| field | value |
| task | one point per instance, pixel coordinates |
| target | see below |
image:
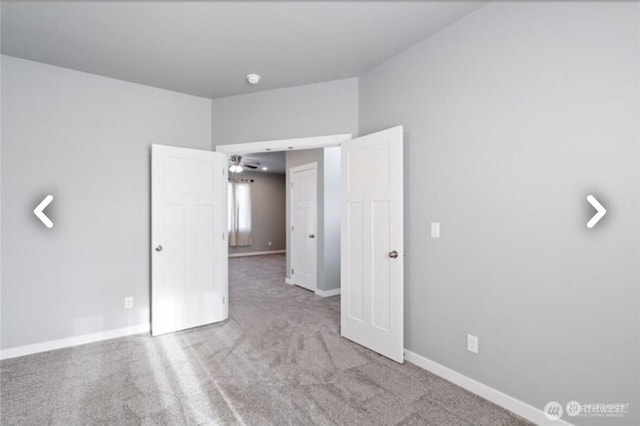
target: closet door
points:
(304, 225)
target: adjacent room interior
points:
(301, 212)
(257, 204)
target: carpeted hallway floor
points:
(277, 360)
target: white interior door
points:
(189, 283)
(372, 287)
(304, 247)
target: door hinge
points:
(292, 227)
(223, 170)
(223, 235)
(291, 271)
(223, 300)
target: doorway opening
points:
(294, 209)
(325, 151)
(371, 232)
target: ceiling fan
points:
(237, 163)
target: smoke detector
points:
(253, 78)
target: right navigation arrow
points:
(600, 211)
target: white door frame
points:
(295, 144)
(313, 286)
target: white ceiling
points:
(207, 48)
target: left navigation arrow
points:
(38, 211)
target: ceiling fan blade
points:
(251, 166)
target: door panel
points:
(201, 294)
(189, 250)
(174, 263)
(364, 160)
(381, 281)
(372, 247)
(355, 271)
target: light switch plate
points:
(128, 302)
(472, 343)
(435, 229)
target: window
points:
(239, 214)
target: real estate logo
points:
(553, 410)
(573, 408)
(598, 409)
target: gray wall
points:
(312, 110)
(85, 139)
(267, 212)
(512, 116)
(332, 212)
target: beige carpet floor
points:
(277, 360)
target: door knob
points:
(159, 248)
(311, 236)
(393, 254)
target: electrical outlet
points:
(472, 343)
(128, 302)
(435, 229)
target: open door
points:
(372, 288)
(189, 274)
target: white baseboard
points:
(512, 404)
(257, 253)
(289, 281)
(73, 341)
(328, 293)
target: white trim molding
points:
(289, 281)
(284, 144)
(328, 293)
(309, 166)
(257, 253)
(510, 403)
(73, 341)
